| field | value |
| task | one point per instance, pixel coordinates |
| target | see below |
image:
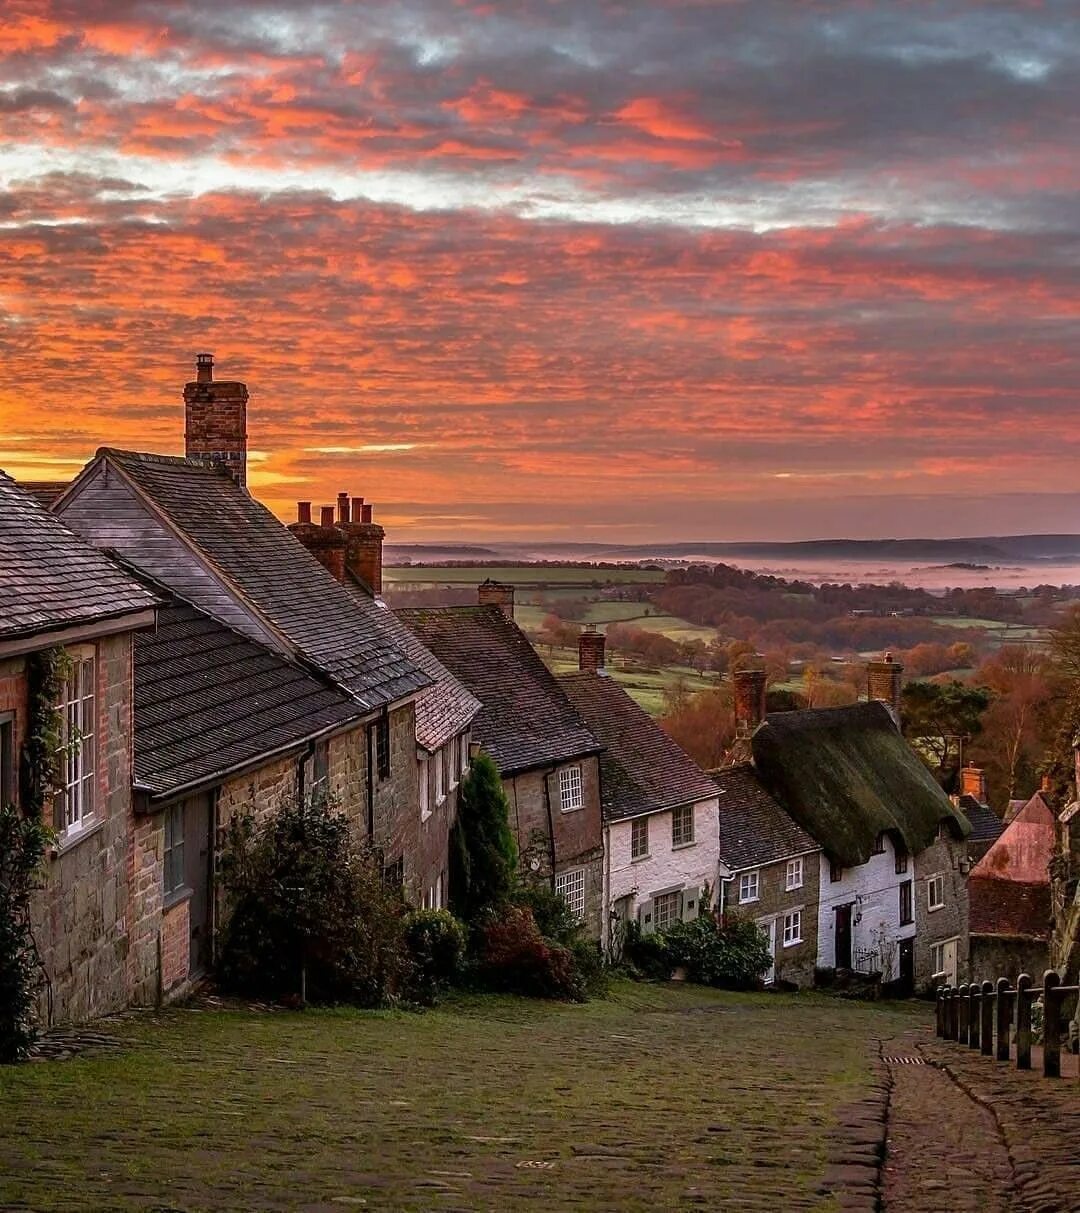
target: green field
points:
(661, 1097)
(520, 574)
(646, 686)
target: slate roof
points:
(208, 700)
(847, 775)
(986, 825)
(754, 830)
(44, 492)
(342, 635)
(50, 578)
(526, 720)
(642, 770)
(445, 708)
(1022, 853)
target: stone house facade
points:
(547, 757)
(659, 808)
(56, 593)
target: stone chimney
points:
(324, 541)
(363, 541)
(884, 683)
(215, 419)
(591, 649)
(750, 688)
(973, 783)
(496, 593)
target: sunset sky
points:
(583, 269)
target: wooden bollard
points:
(963, 1004)
(939, 1013)
(974, 996)
(1004, 1017)
(986, 1009)
(1051, 1025)
(1023, 1022)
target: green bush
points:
(303, 898)
(483, 854)
(23, 842)
(732, 953)
(645, 955)
(553, 915)
(436, 945)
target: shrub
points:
(23, 841)
(304, 898)
(436, 945)
(645, 955)
(515, 958)
(483, 855)
(731, 953)
(553, 915)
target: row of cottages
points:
(838, 841)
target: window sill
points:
(68, 842)
(934, 909)
(793, 888)
(792, 943)
(907, 922)
(177, 898)
(749, 901)
(639, 858)
(574, 808)
(683, 846)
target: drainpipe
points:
(371, 784)
(723, 880)
(605, 909)
(551, 822)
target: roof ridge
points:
(115, 452)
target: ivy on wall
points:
(43, 750)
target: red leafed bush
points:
(517, 959)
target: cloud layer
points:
(683, 269)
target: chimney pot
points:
(357, 513)
(303, 512)
(973, 782)
(365, 513)
(343, 507)
(591, 649)
(750, 688)
(326, 516)
(204, 368)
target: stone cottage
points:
(1011, 917)
(190, 524)
(893, 864)
(59, 593)
(348, 543)
(659, 807)
(546, 755)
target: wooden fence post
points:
(1023, 1022)
(986, 1008)
(1051, 1025)
(1004, 1018)
(939, 1021)
(974, 997)
(962, 1017)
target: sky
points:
(559, 269)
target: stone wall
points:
(259, 793)
(794, 963)
(145, 882)
(994, 956)
(175, 947)
(948, 857)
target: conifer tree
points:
(483, 855)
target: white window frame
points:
(440, 777)
(570, 886)
(937, 881)
(793, 876)
(639, 823)
(463, 741)
(685, 815)
(792, 928)
(937, 970)
(749, 887)
(423, 770)
(77, 707)
(453, 772)
(571, 789)
(173, 845)
(672, 900)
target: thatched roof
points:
(847, 775)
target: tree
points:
(483, 854)
(702, 723)
(938, 719)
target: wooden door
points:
(950, 962)
(197, 877)
(768, 929)
(843, 937)
(907, 965)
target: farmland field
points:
(521, 574)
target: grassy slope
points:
(660, 1098)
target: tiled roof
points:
(1009, 907)
(1022, 852)
(446, 707)
(343, 636)
(52, 579)
(526, 720)
(642, 769)
(754, 829)
(847, 775)
(208, 700)
(44, 492)
(986, 825)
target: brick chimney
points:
(324, 541)
(215, 419)
(884, 683)
(496, 593)
(591, 649)
(973, 783)
(750, 688)
(363, 541)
